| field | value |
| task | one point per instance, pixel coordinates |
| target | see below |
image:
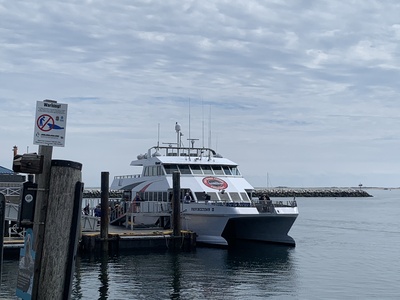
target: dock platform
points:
(124, 239)
(120, 239)
(12, 245)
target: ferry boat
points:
(217, 201)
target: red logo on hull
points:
(215, 183)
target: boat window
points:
(207, 169)
(146, 171)
(165, 196)
(218, 170)
(213, 196)
(154, 171)
(199, 196)
(235, 196)
(227, 170)
(244, 196)
(235, 171)
(169, 169)
(196, 169)
(184, 169)
(224, 196)
(160, 171)
(150, 196)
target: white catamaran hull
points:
(219, 225)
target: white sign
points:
(50, 123)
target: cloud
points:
(308, 88)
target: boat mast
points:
(158, 136)
(189, 119)
(209, 136)
(178, 136)
(202, 122)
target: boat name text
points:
(201, 209)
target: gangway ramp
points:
(117, 219)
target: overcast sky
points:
(304, 93)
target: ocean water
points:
(347, 248)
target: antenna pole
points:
(158, 136)
(209, 129)
(178, 136)
(189, 118)
(202, 122)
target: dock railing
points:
(89, 223)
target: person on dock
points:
(97, 211)
(136, 203)
(86, 210)
(137, 198)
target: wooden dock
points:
(12, 245)
(123, 239)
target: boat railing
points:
(127, 176)
(118, 211)
(268, 206)
(289, 203)
(230, 204)
(182, 151)
(154, 207)
(121, 178)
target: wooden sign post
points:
(49, 131)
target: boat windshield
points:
(218, 170)
(184, 169)
(201, 169)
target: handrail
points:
(10, 191)
(127, 176)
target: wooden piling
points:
(42, 196)
(60, 231)
(2, 218)
(104, 220)
(176, 211)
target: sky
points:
(298, 93)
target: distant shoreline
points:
(312, 192)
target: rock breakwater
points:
(323, 192)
